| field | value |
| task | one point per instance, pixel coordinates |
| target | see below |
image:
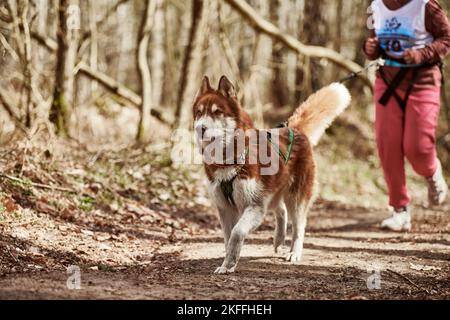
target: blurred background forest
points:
(91, 92)
(111, 74)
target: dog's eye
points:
(198, 113)
(218, 112)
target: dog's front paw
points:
(224, 270)
(294, 257)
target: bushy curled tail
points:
(317, 113)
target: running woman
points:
(413, 36)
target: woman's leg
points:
(421, 120)
(389, 124)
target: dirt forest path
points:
(346, 256)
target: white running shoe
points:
(400, 221)
(437, 187)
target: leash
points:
(377, 63)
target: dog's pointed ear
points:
(226, 88)
(204, 88)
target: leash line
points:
(377, 63)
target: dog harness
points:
(286, 156)
(227, 186)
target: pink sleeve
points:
(437, 24)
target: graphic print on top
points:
(401, 29)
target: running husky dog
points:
(241, 191)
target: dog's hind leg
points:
(297, 210)
(281, 226)
(249, 221)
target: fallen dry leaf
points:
(10, 205)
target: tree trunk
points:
(126, 43)
(337, 41)
(278, 86)
(27, 66)
(93, 54)
(21, 33)
(42, 56)
(313, 35)
(173, 26)
(299, 70)
(338, 36)
(190, 73)
(227, 49)
(245, 51)
(143, 132)
(67, 39)
(157, 53)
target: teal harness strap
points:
(286, 156)
(291, 143)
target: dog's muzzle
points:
(200, 130)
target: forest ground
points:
(138, 229)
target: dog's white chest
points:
(237, 194)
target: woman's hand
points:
(372, 45)
(411, 56)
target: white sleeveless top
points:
(401, 29)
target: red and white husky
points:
(241, 192)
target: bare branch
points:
(38, 185)
(11, 51)
(117, 88)
(4, 16)
(264, 26)
(49, 43)
(108, 82)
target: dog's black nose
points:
(201, 129)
